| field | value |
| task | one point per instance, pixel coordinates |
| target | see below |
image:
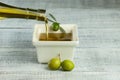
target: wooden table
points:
(96, 58)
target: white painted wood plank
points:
(58, 76)
(97, 59)
(65, 3)
(86, 60)
(16, 38)
(84, 18)
(99, 38)
(88, 38)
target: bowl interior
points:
(69, 28)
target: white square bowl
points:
(46, 50)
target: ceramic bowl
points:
(46, 50)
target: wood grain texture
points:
(94, 63)
(65, 3)
(86, 60)
(88, 38)
(58, 76)
(84, 18)
(96, 58)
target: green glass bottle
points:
(8, 11)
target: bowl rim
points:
(37, 42)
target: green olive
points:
(54, 64)
(55, 26)
(67, 65)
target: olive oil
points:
(56, 37)
(46, 26)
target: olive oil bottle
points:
(9, 11)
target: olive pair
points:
(55, 63)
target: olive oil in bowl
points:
(56, 37)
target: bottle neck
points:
(25, 14)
